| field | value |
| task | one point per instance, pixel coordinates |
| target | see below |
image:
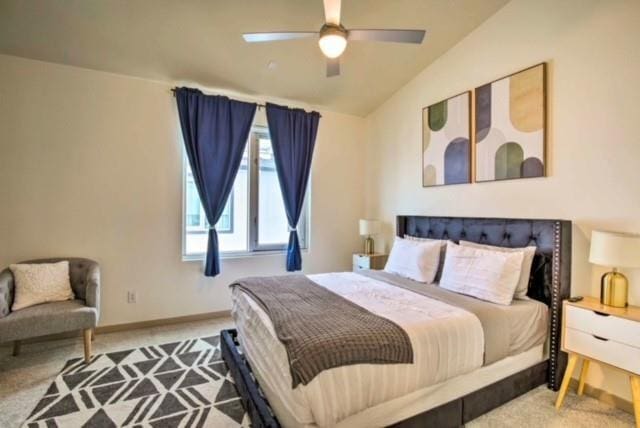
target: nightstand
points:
(369, 261)
(603, 334)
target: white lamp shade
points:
(369, 227)
(615, 249)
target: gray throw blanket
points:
(322, 330)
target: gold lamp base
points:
(614, 288)
(368, 245)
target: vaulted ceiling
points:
(200, 42)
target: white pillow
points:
(527, 261)
(485, 274)
(417, 260)
(40, 283)
(443, 250)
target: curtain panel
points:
(293, 137)
(215, 131)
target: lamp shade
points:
(615, 249)
(369, 227)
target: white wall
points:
(91, 165)
(594, 146)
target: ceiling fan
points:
(333, 37)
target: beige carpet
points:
(24, 380)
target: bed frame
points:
(550, 283)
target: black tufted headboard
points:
(550, 280)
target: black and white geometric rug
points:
(179, 384)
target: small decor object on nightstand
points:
(369, 261)
(615, 250)
(368, 228)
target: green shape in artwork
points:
(509, 158)
(438, 116)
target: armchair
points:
(82, 313)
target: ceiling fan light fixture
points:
(333, 41)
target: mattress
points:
(447, 341)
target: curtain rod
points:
(173, 91)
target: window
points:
(254, 218)
(195, 219)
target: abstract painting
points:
(446, 147)
(510, 126)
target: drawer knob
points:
(602, 314)
(600, 338)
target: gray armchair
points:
(55, 317)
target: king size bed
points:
(446, 357)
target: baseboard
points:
(160, 322)
(604, 396)
(132, 326)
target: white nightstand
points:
(607, 335)
(369, 261)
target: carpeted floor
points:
(25, 380)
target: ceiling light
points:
(333, 40)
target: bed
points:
(465, 378)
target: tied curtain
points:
(215, 131)
(293, 136)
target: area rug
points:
(179, 384)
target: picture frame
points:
(510, 126)
(446, 141)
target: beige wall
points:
(91, 165)
(594, 145)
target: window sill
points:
(239, 255)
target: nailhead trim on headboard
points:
(555, 308)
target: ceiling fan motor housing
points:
(333, 30)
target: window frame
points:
(254, 248)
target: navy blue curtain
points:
(215, 131)
(293, 137)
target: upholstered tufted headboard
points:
(550, 280)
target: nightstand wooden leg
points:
(583, 375)
(635, 390)
(573, 359)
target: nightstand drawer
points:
(607, 326)
(608, 351)
(361, 262)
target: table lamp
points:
(368, 228)
(616, 250)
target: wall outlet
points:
(132, 297)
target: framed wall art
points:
(510, 126)
(446, 136)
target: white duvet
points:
(447, 341)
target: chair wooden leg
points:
(93, 334)
(87, 345)
(573, 359)
(583, 376)
(16, 348)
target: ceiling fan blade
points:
(333, 67)
(332, 11)
(397, 36)
(278, 36)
